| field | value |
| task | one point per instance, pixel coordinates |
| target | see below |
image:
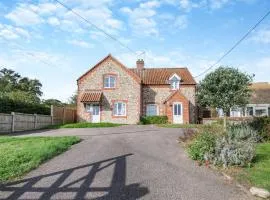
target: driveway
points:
(122, 163)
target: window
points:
(119, 109)
(109, 81)
(260, 111)
(92, 108)
(88, 108)
(177, 109)
(249, 111)
(151, 110)
(175, 82)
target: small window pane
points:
(249, 111)
(179, 109)
(106, 82)
(112, 81)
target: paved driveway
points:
(129, 162)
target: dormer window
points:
(175, 82)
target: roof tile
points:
(160, 76)
(91, 97)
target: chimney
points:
(140, 64)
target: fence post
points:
(51, 114)
(13, 122)
(64, 113)
(35, 121)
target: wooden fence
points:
(63, 115)
(21, 121)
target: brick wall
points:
(127, 89)
(159, 93)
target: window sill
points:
(118, 116)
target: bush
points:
(202, 145)
(9, 105)
(154, 120)
(243, 132)
(262, 125)
(234, 147)
(231, 152)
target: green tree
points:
(15, 87)
(54, 102)
(73, 99)
(8, 80)
(225, 88)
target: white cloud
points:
(181, 22)
(97, 12)
(141, 19)
(80, 43)
(53, 21)
(22, 15)
(12, 32)
(262, 36)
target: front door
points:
(95, 114)
(177, 113)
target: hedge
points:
(154, 120)
(8, 106)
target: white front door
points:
(95, 114)
(177, 113)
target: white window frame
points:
(157, 110)
(175, 84)
(88, 108)
(118, 113)
(111, 84)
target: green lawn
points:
(180, 125)
(86, 125)
(259, 173)
(19, 155)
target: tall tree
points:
(8, 80)
(13, 86)
(54, 102)
(73, 99)
(225, 88)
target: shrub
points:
(262, 125)
(231, 152)
(234, 147)
(202, 145)
(154, 120)
(243, 132)
(9, 105)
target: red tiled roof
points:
(91, 97)
(160, 76)
(260, 93)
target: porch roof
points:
(91, 96)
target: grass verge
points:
(180, 125)
(259, 173)
(85, 125)
(19, 155)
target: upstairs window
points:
(109, 81)
(175, 82)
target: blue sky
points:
(172, 33)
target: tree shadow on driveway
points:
(117, 190)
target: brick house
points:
(111, 92)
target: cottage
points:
(111, 92)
